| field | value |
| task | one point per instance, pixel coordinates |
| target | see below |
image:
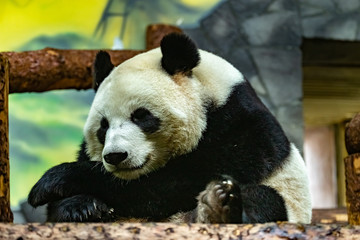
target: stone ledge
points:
(280, 230)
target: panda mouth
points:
(128, 169)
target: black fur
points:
(79, 208)
(242, 140)
(102, 68)
(264, 200)
(145, 120)
(82, 155)
(101, 132)
(180, 54)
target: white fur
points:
(217, 77)
(291, 182)
(126, 137)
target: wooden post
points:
(5, 211)
(352, 170)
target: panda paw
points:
(47, 189)
(64, 180)
(220, 202)
(80, 208)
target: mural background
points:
(46, 128)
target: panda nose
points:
(115, 158)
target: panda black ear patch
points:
(180, 54)
(102, 68)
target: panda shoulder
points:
(217, 76)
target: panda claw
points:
(227, 182)
(219, 192)
(219, 202)
(80, 208)
(222, 196)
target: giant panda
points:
(177, 133)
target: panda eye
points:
(104, 124)
(145, 120)
(140, 114)
(101, 132)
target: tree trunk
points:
(5, 211)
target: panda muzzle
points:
(115, 158)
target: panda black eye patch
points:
(145, 120)
(101, 132)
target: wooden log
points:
(5, 211)
(352, 135)
(156, 32)
(49, 68)
(174, 231)
(352, 173)
(328, 52)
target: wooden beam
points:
(331, 94)
(5, 211)
(331, 82)
(324, 52)
(49, 68)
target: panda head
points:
(146, 110)
(152, 107)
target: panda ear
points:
(180, 54)
(102, 68)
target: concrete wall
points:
(262, 39)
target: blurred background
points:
(301, 57)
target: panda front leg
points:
(79, 208)
(220, 202)
(225, 201)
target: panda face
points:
(141, 117)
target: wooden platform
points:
(327, 224)
(174, 231)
